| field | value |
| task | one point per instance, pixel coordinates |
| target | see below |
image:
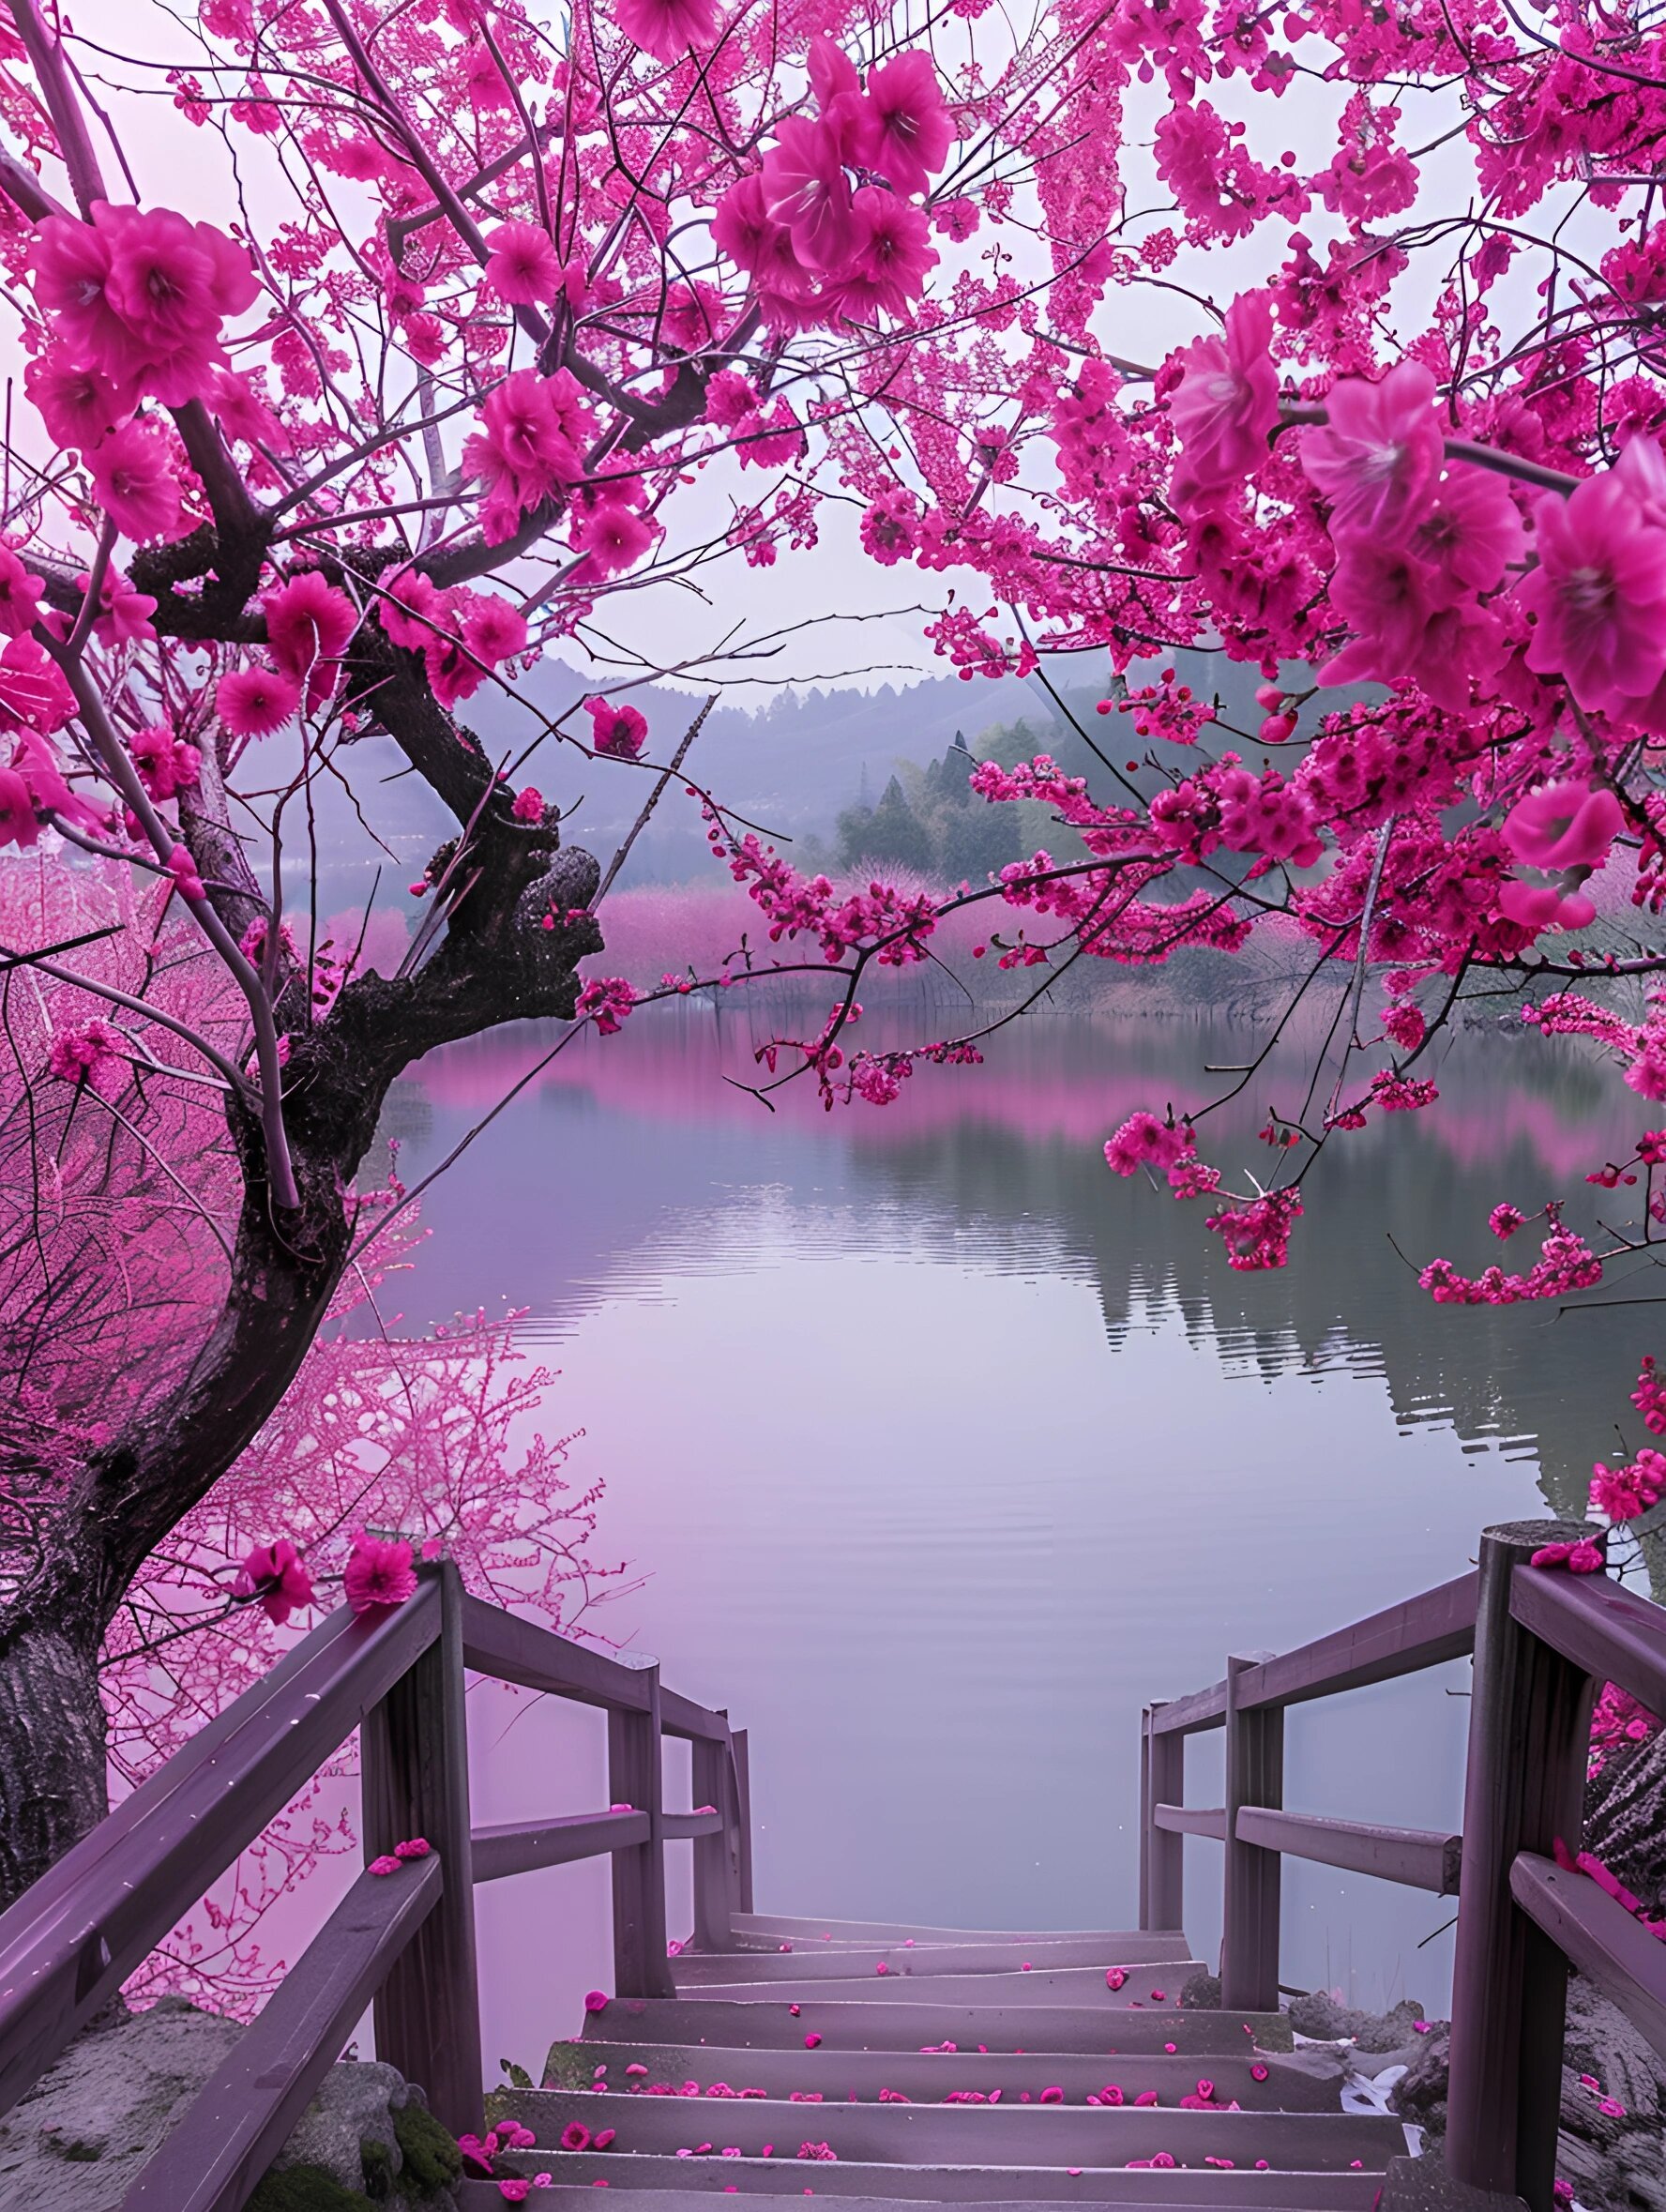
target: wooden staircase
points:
(896, 2066)
(913, 2064)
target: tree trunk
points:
(1625, 1818)
(52, 1749)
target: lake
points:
(941, 1450)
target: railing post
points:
(1529, 1725)
(743, 1813)
(414, 1760)
(715, 1871)
(1250, 1909)
(641, 1968)
(1163, 1855)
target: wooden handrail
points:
(521, 1849)
(1543, 1642)
(1423, 1631)
(1186, 1715)
(1419, 1632)
(404, 1940)
(242, 2116)
(70, 1941)
(1421, 1858)
(514, 1650)
(1599, 1937)
(682, 1716)
(1191, 1820)
(685, 1826)
(1607, 1631)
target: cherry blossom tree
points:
(482, 296)
(498, 321)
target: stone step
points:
(1139, 1954)
(785, 1927)
(1309, 2081)
(1208, 2189)
(907, 2021)
(1145, 1985)
(1032, 2135)
(484, 2196)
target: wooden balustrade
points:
(1543, 1642)
(403, 1943)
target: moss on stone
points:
(432, 2161)
(569, 2066)
(376, 2162)
(84, 2154)
(305, 2188)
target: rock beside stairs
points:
(78, 2140)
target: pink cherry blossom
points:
(1564, 826)
(1598, 593)
(1226, 402)
(138, 296)
(492, 629)
(182, 866)
(744, 229)
(524, 266)
(1472, 532)
(87, 1054)
(892, 255)
(667, 28)
(20, 595)
(135, 477)
(308, 626)
(34, 698)
(125, 612)
(613, 538)
(1378, 455)
(380, 1574)
(616, 728)
(527, 448)
(79, 406)
(274, 1577)
(1141, 1139)
(908, 128)
(807, 192)
(1535, 907)
(253, 702)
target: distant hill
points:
(791, 768)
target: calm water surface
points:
(943, 1450)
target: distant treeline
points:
(927, 820)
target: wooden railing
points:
(1544, 1642)
(405, 1941)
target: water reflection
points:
(945, 1449)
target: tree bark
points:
(51, 1747)
(1625, 1818)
